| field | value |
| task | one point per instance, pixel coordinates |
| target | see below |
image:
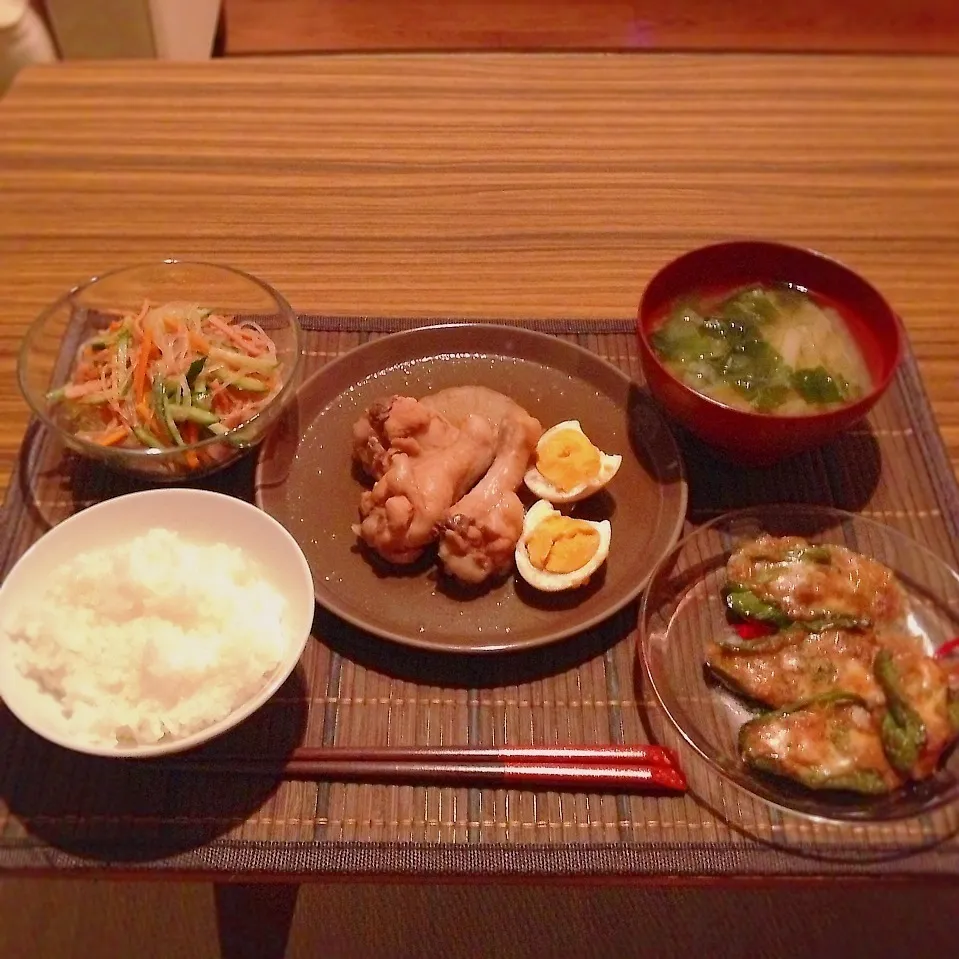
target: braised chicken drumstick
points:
(426, 456)
(481, 530)
(399, 516)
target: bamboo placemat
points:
(60, 811)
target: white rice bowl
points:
(152, 622)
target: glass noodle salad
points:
(168, 376)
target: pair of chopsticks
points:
(581, 768)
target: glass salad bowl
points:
(168, 370)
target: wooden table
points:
(482, 185)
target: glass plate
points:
(683, 605)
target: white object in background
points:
(184, 29)
(23, 40)
(163, 29)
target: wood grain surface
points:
(490, 185)
(877, 26)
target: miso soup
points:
(766, 349)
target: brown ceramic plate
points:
(305, 479)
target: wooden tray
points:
(63, 811)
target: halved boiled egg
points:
(567, 467)
(556, 552)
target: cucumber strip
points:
(241, 361)
(159, 401)
(124, 373)
(246, 383)
(171, 426)
(163, 411)
(147, 438)
(193, 413)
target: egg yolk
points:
(567, 459)
(561, 545)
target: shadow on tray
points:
(843, 474)
(130, 810)
(650, 438)
(54, 482)
(465, 670)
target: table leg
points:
(253, 919)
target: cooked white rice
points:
(158, 637)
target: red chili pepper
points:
(753, 629)
(948, 648)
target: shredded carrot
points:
(233, 333)
(199, 342)
(114, 437)
(143, 360)
(222, 401)
(146, 415)
(190, 432)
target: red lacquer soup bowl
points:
(747, 436)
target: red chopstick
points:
(639, 754)
(600, 768)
